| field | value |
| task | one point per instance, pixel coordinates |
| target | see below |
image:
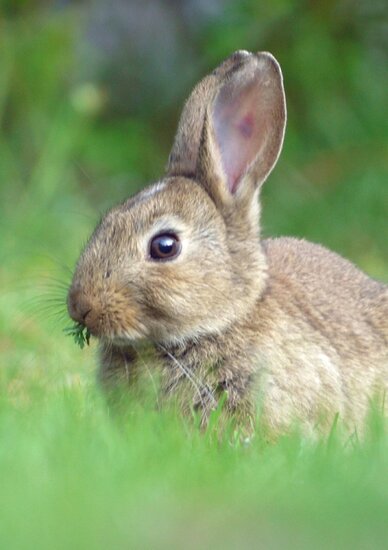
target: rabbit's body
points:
(282, 324)
(307, 350)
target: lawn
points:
(72, 473)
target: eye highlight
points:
(164, 247)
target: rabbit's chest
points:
(199, 377)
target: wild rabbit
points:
(283, 324)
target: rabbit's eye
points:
(165, 247)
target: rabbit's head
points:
(183, 257)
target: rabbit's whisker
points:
(199, 386)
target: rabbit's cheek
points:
(122, 316)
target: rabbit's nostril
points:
(84, 309)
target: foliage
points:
(80, 334)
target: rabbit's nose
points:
(81, 309)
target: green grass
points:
(72, 475)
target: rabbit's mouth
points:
(109, 316)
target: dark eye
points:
(165, 247)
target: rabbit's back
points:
(323, 332)
(331, 292)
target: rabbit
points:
(281, 327)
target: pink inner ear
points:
(240, 123)
(245, 126)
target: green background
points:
(90, 95)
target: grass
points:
(72, 475)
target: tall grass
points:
(72, 476)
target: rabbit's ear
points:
(244, 126)
(184, 154)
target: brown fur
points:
(283, 324)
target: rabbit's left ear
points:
(184, 154)
(244, 126)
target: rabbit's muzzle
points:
(108, 314)
(83, 311)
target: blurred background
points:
(90, 95)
